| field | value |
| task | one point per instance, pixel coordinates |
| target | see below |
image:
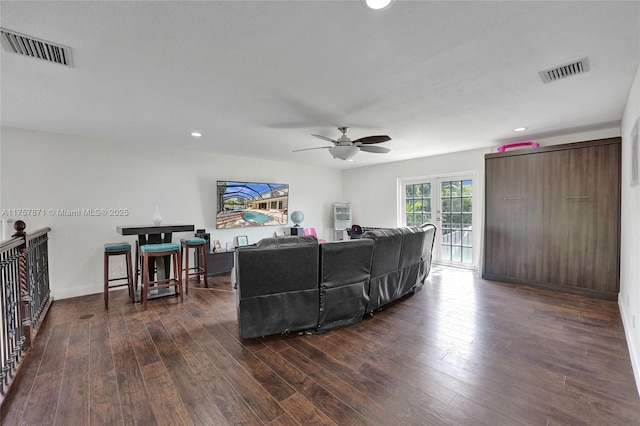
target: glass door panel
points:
(417, 204)
(456, 213)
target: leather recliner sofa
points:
(289, 284)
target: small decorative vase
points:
(157, 219)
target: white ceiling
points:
(257, 78)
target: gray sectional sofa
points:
(293, 283)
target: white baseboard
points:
(631, 344)
(67, 293)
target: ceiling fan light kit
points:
(344, 152)
(345, 149)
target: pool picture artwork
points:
(246, 204)
(256, 216)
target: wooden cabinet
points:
(514, 217)
(552, 217)
(219, 263)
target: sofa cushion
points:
(276, 265)
(385, 275)
(386, 255)
(345, 270)
(412, 242)
(410, 260)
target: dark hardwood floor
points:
(461, 351)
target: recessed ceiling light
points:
(378, 4)
(519, 129)
(196, 134)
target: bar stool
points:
(200, 247)
(117, 249)
(151, 251)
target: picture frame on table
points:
(217, 247)
(242, 241)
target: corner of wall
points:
(629, 296)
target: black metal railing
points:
(39, 293)
(25, 297)
(12, 337)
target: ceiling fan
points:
(345, 149)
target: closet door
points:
(581, 217)
(513, 217)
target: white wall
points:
(49, 171)
(611, 132)
(373, 190)
(629, 297)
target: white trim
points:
(635, 357)
(67, 293)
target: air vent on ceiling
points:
(563, 71)
(25, 45)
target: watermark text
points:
(58, 212)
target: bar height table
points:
(154, 234)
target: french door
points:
(448, 203)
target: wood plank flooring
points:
(461, 351)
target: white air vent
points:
(25, 45)
(563, 71)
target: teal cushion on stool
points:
(151, 248)
(117, 247)
(192, 241)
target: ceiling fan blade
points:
(372, 139)
(325, 138)
(309, 149)
(375, 149)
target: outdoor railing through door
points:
(25, 297)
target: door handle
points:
(578, 197)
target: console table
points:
(219, 263)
